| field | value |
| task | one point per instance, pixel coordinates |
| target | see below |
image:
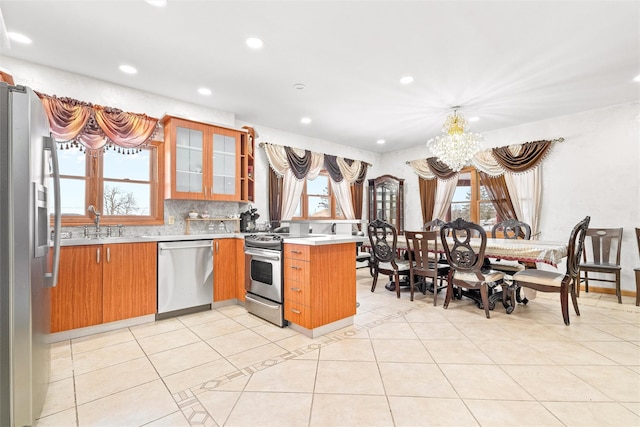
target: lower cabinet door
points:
(224, 269)
(76, 301)
(129, 280)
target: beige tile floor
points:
(402, 363)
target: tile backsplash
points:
(179, 209)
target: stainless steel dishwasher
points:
(185, 277)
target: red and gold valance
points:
(97, 128)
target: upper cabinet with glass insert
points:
(203, 162)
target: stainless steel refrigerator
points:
(29, 184)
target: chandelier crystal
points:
(456, 147)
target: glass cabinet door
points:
(189, 160)
(225, 157)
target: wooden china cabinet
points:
(386, 200)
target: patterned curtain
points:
(95, 127)
(521, 159)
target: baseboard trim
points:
(608, 291)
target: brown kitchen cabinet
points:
(247, 172)
(203, 161)
(224, 269)
(103, 283)
(319, 284)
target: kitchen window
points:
(125, 189)
(471, 201)
(317, 200)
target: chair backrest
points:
(384, 240)
(435, 225)
(512, 229)
(457, 247)
(638, 239)
(605, 246)
(575, 246)
(419, 245)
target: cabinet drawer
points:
(298, 292)
(297, 251)
(296, 270)
(298, 314)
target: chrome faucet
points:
(93, 210)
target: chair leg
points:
(375, 281)
(576, 283)
(484, 294)
(396, 278)
(447, 297)
(618, 291)
(637, 287)
(586, 281)
(411, 283)
(435, 289)
(574, 300)
(564, 304)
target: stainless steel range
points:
(263, 277)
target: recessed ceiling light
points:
(254, 43)
(128, 69)
(157, 3)
(19, 38)
(381, 141)
(299, 86)
(204, 91)
(637, 79)
(305, 120)
(406, 80)
(474, 119)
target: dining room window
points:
(125, 189)
(471, 201)
(317, 200)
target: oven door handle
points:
(260, 255)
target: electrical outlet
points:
(172, 220)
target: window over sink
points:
(124, 188)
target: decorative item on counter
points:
(193, 214)
(204, 214)
(248, 219)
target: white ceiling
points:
(507, 62)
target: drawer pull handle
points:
(296, 252)
(296, 289)
(295, 311)
(295, 267)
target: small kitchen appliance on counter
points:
(248, 220)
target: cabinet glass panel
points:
(188, 160)
(224, 164)
(386, 201)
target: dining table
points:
(528, 252)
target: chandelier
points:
(456, 147)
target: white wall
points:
(593, 172)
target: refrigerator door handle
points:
(51, 279)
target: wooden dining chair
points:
(562, 283)
(384, 249)
(509, 229)
(433, 225)
(421, 247)
(465, 262)
(601, 255)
